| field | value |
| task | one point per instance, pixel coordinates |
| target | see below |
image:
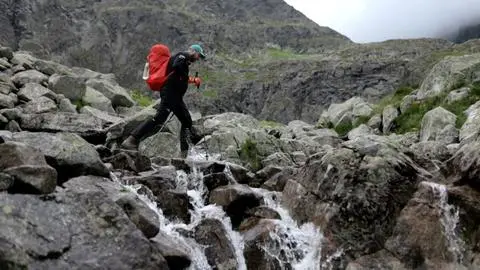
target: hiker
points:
(171, 95)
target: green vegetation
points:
(411, 119)
(210, 93)
(141, 99)
(79, 103)
(270, 124)
(249, 153)
(394, 99)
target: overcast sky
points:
(377, 20)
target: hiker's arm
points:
(180, 64)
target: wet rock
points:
(235, 200)
(68, 153)
(137, 211)
(215, 180)
(29, 76)
(265, 174)
(419, 238)
(28, 167)
(71, 87)
(73, 230)
(360, 188)
(174, 204)
(174, 252)
(219, 250)
(255, 215)
(256, 251)
(277, 182)
(5, 136)
(129, 161)
(379, 260)
(140, 214)
(163, 143)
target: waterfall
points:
(300, 246)
(449, 220)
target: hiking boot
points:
(130, 143)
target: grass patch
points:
(394, 99)
(141, 99)
(249, 153)
(411, 119)
(211, 93)
(79, 103)
(269, 124)
(343, 129)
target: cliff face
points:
(115, 35)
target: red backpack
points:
(155, 71)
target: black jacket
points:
(177, 83)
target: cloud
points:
(377, 20)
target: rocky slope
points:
(114, 36)
(391, 185)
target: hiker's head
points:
(196, 52)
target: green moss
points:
(249, 154)
(141, 99)
(343, 129)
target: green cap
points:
(198, 49)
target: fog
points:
(378, 20)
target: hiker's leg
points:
(148, 127)
(187, 132)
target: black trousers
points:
(179, 109)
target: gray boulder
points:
(434, 123)
(72, 87)
(68, 153)
(97, 100)
(29, 76)
(114, 92)
(28, 167)
(32, 91)
(39, 105)
(219, 249)
(470, 130)
(74, 230)
(390, 113)
(6, 102)
(457, 95)
(448, 73)
(82, 124)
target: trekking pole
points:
(170, 115)
(205, 141)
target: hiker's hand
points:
(197, 81)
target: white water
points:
(297, 247)
(450, 220)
